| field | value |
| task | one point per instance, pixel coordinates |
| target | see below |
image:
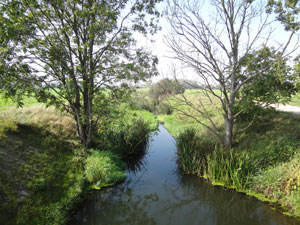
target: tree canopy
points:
(164, 88)
(67, 52)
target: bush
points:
(139, 101)
(164, 88)
(193, 151)
(103, 169)
(163, 108)
(127, 139)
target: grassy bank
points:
(263, 161)
(44, 169)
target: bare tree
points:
(213, 39)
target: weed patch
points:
(103, 168)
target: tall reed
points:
(192, 151)
(231, 168)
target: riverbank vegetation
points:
(236, 141)
(69, 64)
(75, 59)
(45, 170)
(262, 161)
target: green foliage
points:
(164, 108)
(74, 60)
(164, 88)
(204, 157)
(144, 101)
(287, 12)
(103, 168)
(231, 168)
(281, 183)
(126, 139)
(141, 101)
(149, 118)
(272, 82)
(193, 150)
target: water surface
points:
(157, 193)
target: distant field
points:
(6, 103)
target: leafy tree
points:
(287, 13)
(272, 81)
(68, 52)
(272, 77)
(164, 88)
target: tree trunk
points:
(228, 133)
(228, 123)
(83, 127)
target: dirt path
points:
(287, 108)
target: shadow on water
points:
(156, 193)
(136, 163)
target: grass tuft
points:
(103, 168)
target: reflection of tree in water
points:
(117, 206)
(218, 206)
(136, 163)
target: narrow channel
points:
(156, 193)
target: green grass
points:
(44, 169)
(281, 183)
(147, 116)
(103, 169)
(295, 100)
(41, 176)
(7, 103)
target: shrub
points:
(127, 139)
(163, 108)
(165, 87)
(139, 101)
(193, 151)
(103, 169)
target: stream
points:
(155, 192)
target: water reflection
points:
(207, 205)
(118, 206)
(156, 193)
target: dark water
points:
(158, 194)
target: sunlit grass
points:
(295, 100)
(103, 168)
(8, 103)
